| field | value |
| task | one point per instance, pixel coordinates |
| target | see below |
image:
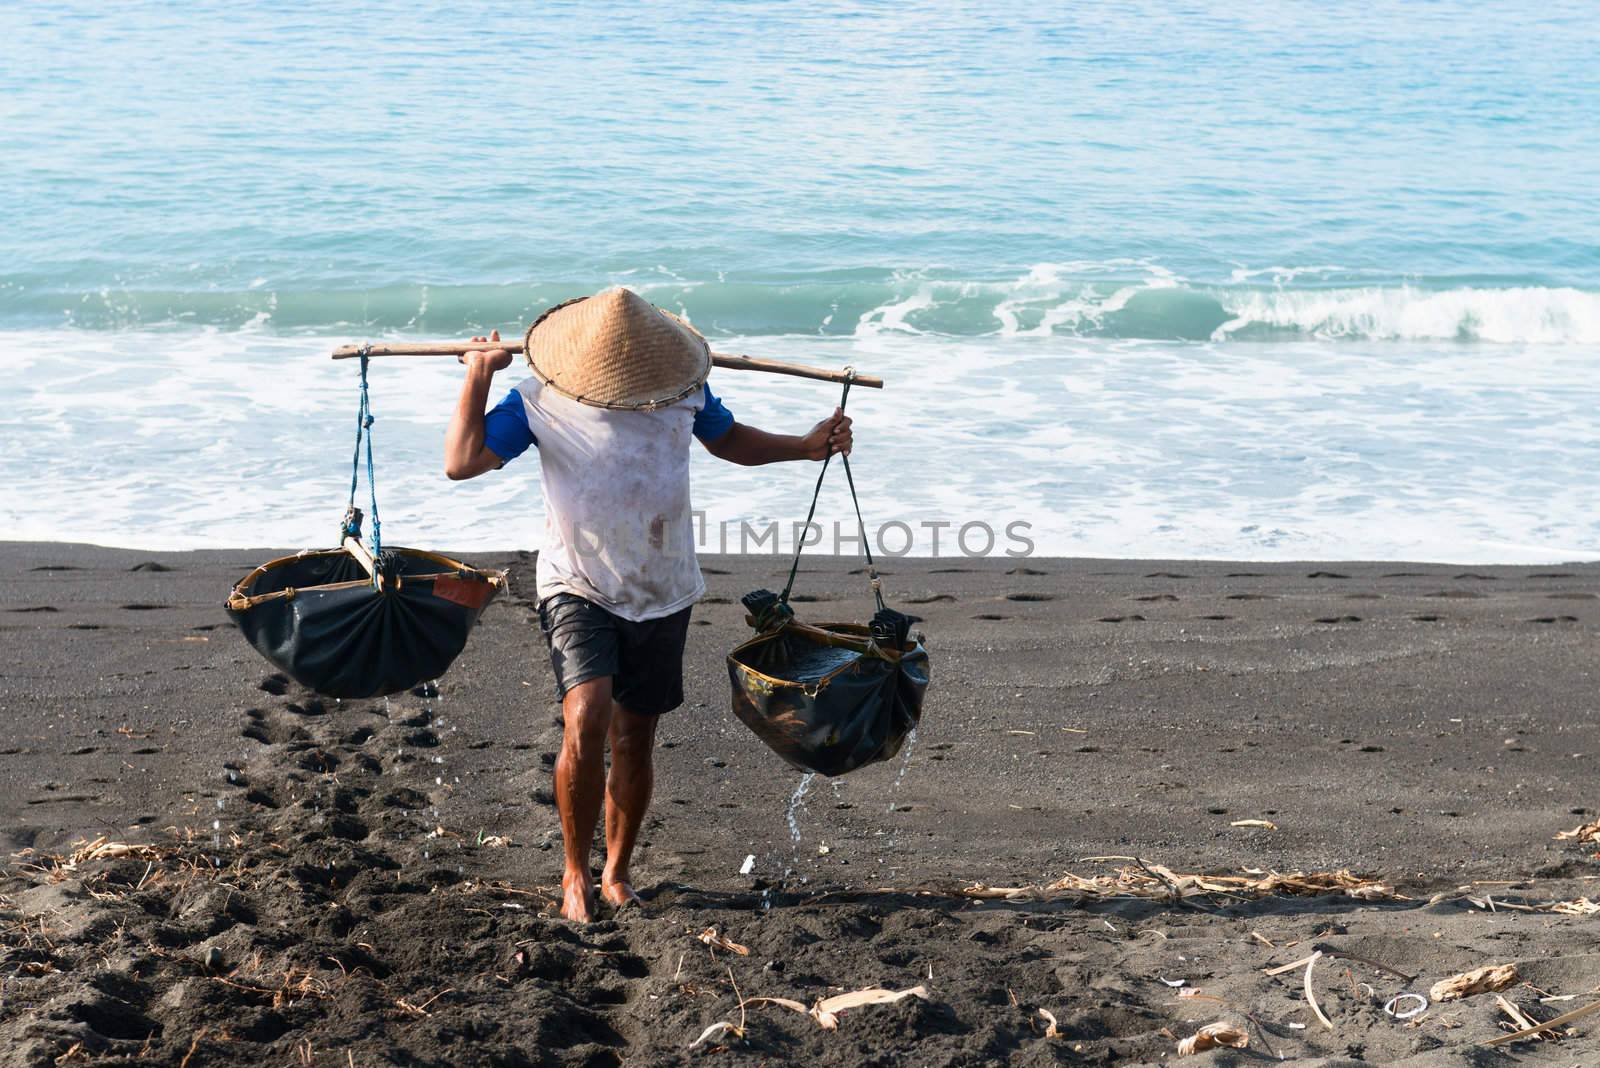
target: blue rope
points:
(364, 421)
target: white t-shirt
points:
(618, 524)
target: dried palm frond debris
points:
(725, 1027)
(1308, 963)
(717, 940)
(104, 849)
(826, 1012)
(1158, 883)
(1484, 980)
(717, 1030)
(1578, 906)
(1521, 1021)
(1588, 832)
(1548, 1025)
(1211, 1036)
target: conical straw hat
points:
(617, 350)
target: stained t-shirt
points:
(618, 529)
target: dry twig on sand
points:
(193, 1045)
(421, 1010)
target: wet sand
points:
(1425, 725)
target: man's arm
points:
(751, 447)
(465, 455)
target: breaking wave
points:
(1118, 299)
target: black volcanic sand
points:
(329, 884)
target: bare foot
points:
(577, 897)
(619, 892)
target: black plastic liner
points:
(337, 634)
(833, 697)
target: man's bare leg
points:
(580, 783)
(628, 787)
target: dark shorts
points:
(644, 660)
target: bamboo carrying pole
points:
(718, 359)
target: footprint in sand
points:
(150, 565)
(275, 684)
(1216, 617)
(1247, 574)
(1555, 619)
(1166, 575)
(1462, 595)
(1340, 619)
(930, 598)
(35, 608)
(1327, 575)
(143, 607)
(1251, 597)
(1429, 618)
(1029, 597)
(1026, 571)
(261, 798)
(1476, 576)
(1156, 597)
(989, 616)
(1122, 619)
(1571, 596)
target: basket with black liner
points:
(829, 697)
(346, 624)
(353, 622)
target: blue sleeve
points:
(713, 420)
(506, 432)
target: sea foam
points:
(1062, 446)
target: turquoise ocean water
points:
(1277, 281)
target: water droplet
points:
(795, 801)
(905, 763)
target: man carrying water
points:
(618, 389)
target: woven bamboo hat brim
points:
(617, 350)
